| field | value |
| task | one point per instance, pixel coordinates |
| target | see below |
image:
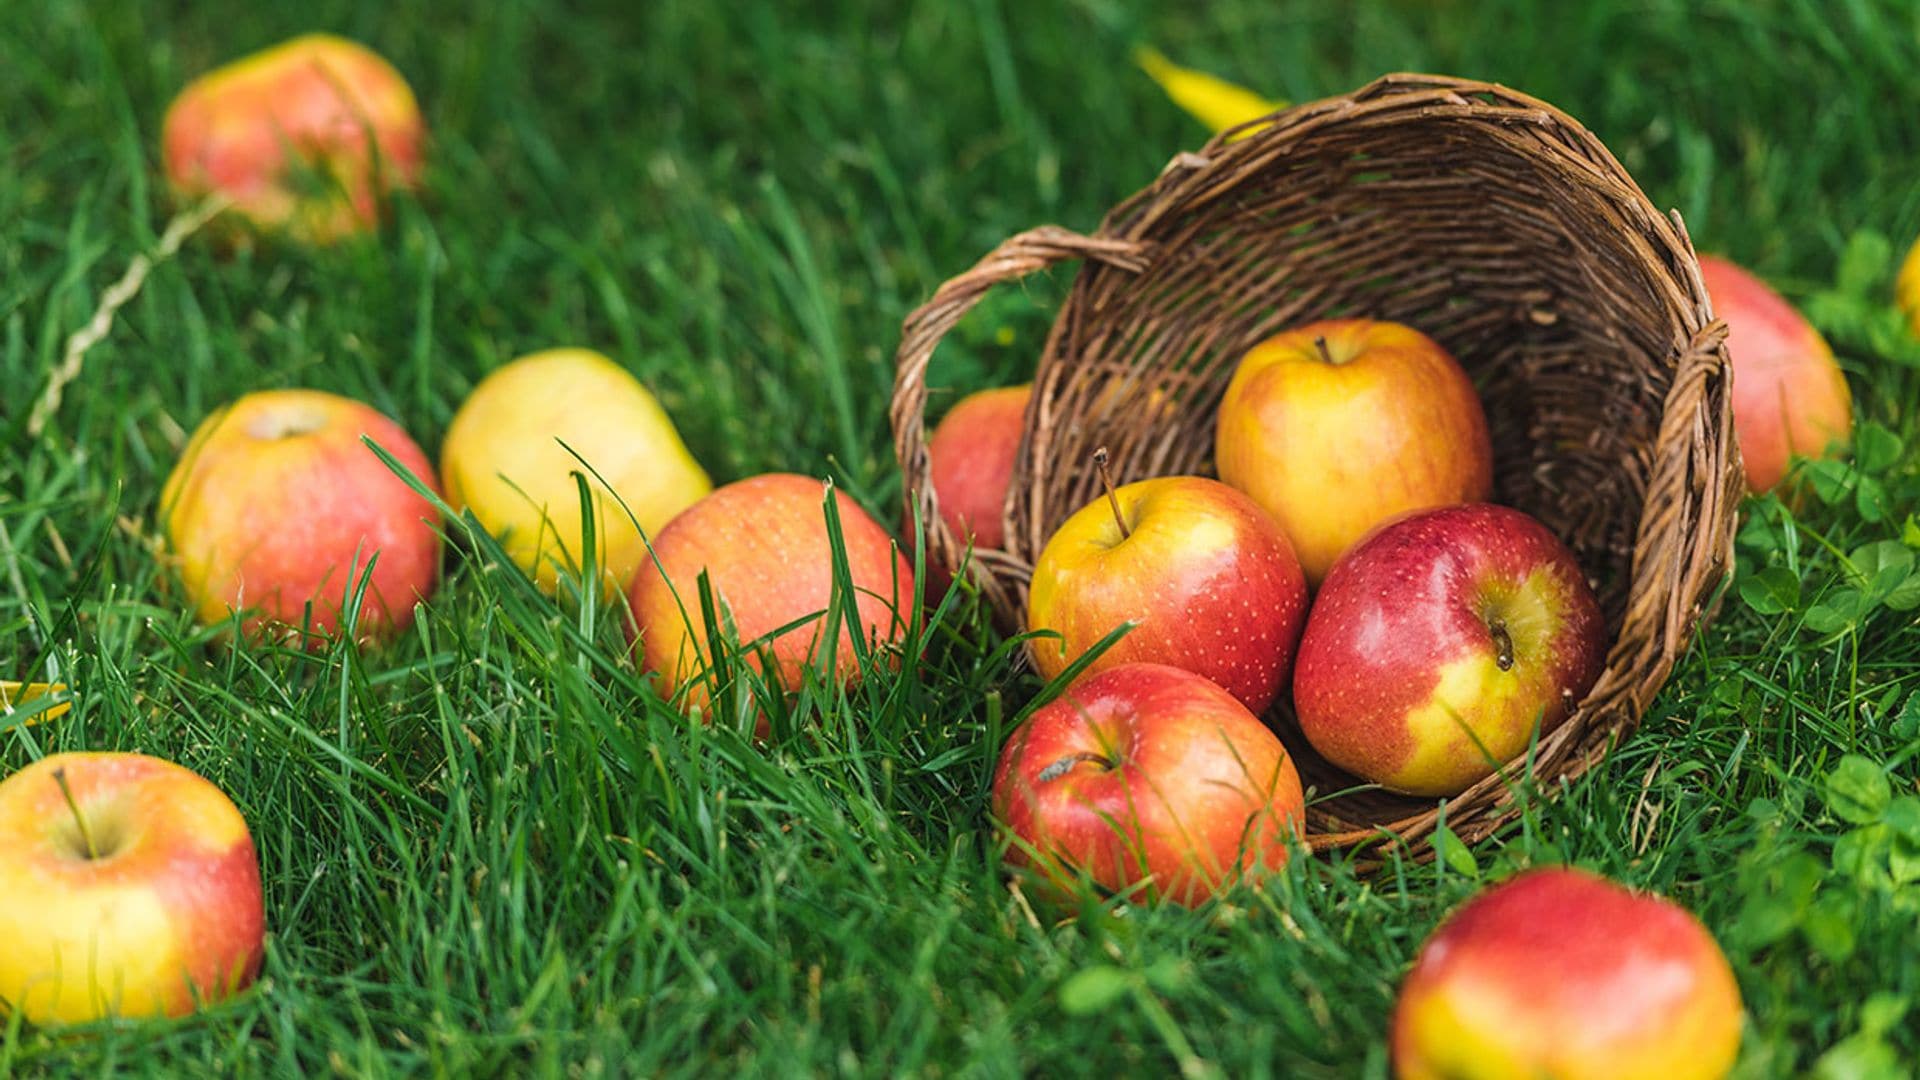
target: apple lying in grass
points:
(1440, 643)
(503, 459)
(764, 546)
(1337, 426)
(305, 137)
(1906, 289)
(1147, 775)
(1565, 974)
(129, 887)
(278, 509)
(1789, 395)
(973, 449)
(1207, 578)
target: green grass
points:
(488, 848)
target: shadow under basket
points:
(1491, 221)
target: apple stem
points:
(86, 836)
(1106, 481)
(1503, 642)
(1065, 765)
(1325, 353)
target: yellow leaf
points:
(13, 694)
(1210, 99)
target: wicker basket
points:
(1488, 219)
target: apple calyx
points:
(1065, 765)
(1106, 481)
(91, 851)
(1502, 643)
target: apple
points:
(1906, 290)
(763, 545)
(278, 509)
(503, 459)
(1337, 426)
(973, 450)
(1789, 396)
(1148, 776)
(1565, 974)
(1438, 645)
(306, 137)
(1208, 579)
(129, 887)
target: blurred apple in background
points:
(1789, 396)
(1906, 290)
(305, 137)
(1441, 641)
(139, 898)
(1337, 426)
(503, 460)
(763, 544)
(1147, 773)
(973, 450)
(1206, 575)
(1565, 974)
(277, 505)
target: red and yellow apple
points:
(1565, 974)
(306, 137)
(1789, 396)
(1440, 643)
(1208, 579)
(139, 898)
(277, 509)
(503, 459)
(763, 545)
(1147, 776)
(973, 449)
(1337, 426)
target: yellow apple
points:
(305, 137)
(138, 898)
(1338, 426)
(1907, 289)
(504, 461)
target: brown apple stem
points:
(1503, 642)
(1065, 765)
(1106, 481)
(1325, 353)
(86, 835)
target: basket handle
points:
(1015, 258)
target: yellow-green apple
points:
(1337, 426)
(972, 451)
(277, 509)
(1789, 396)
(129, 887)
(1206, 577)
(1440, 643)
(1565, 974)
(306, 137)
(504, 460)
(1906, 289)
(1147, 775)
(763, 545)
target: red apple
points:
(1439, 644)
(1147, 775)
(1561, 973)
(1338, 426)
(973, 449)
(307, 136)
(763, 545)
(138, 898)
(1789, 396)
(1207, 577)
(277, 509)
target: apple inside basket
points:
(1488, 220)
